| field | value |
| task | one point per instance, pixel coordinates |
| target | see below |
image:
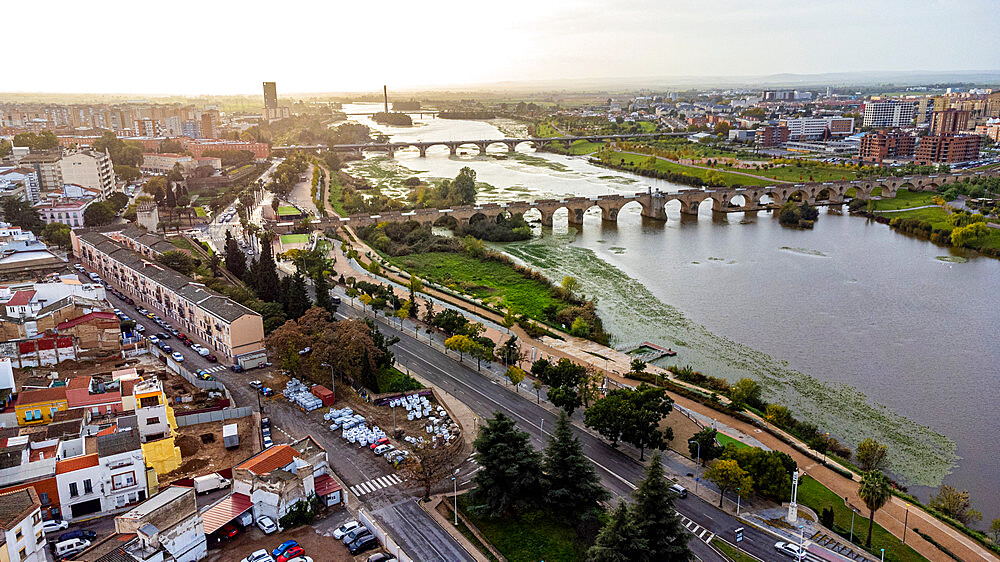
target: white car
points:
(382, 449)
(177, 356)
(790, 549)
(339, 532)
(53, 525)
(259, 556)
(266, 524)
(154, 340)
(203, 351)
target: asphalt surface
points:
(619, 472)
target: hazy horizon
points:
(209, 49)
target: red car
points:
(293, 552)
(211, 358)
(229, 531)
(382, 441)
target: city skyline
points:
(452, 45)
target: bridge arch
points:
(827, 194)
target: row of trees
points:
(459, 191)
(286, 175)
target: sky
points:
(229, 47)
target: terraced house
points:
(234, 331)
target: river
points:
(865, 332)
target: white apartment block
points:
(889, 113)
(89, 168)
(21, 527)
(815, 128)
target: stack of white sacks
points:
(298, 393)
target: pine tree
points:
(369, 379)
(619, 540)
(510, 476)
(654, 517)
(574, 489)
(323, 293)
(297, 302)
(236, 260)
(266, 278)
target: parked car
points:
(166, 348)
(268, 443)
(267, 525)
(301, 559)
(140, 328)
(354, 535)
(211, 358)
(339, 532)
(382, 449)
(163, 335)
(204, 352)
(283, 547)
(255, 384)
(790, 549)
(154, 340)
(64, 549)
(292, 552)
(258, 556)
(236, 369)
(363, 544)
(382, 441)
(679, 491)
(175, 332)
(381, 557)
(265, 422)
(230, 531)
(53, 525)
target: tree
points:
(564, 379)
(179, 261)
(658, 524)
(294, 296)
(570, 285)
(46, 140)
(156, 186)
(21, 213)
(170, 196)
(460, 343)
(608, 416)
(515, 375)
(481, 352)
(463, 188)
(955, 503)
(745, 392)
(127, 173)
(322, 290)
(619, 539)
(727, 475)
(874, 491)
(703, 443)
(98, 213)
(510, 474)
(872, 455)
(5, 147)
(429, 466)
(573, 490)
(118, 201)
(57, 233)
(995, 530)
(778, 415)
(769, 469)
(236, 260)
(648, 406)
(266, 277)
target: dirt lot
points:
(203, 451)
(317, 546)
(684, 430)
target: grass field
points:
(905, 199)
(200, 212)
(816, 496)
(530, 537)
(288, 211)
(937, 216)
(731, 552)
(665, 166)
(799, 173)
(294, 238)
(481, 279)
(181, 242)
(724, 440)
(336, 194)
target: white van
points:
(679, 491)
(71, 546)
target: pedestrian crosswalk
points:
(375, 484)
(216, 369)
(696, 529)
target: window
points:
(123, 480)
(36, 518)
(18, 535)
(53, 410)
(149, 401)
(23, 553)
(28, 415)
(152, 421)
(44, 498)
(38, 414)
(87, 488)
(73, 492)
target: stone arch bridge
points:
(653, 203)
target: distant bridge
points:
(482, 144)
(653, 203)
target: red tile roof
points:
(41, 395)
(229, 508)
(76, 463)
(107, 431)
(67, 324)
(269, 459)
(78, 383)
(325, 485)
(21, 298)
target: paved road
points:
(618, 471)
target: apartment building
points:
(90, 169)
(141, 241)
(816, 128)
(938, 149)
(21, 525)
(231, 329)
(155, 163)
(28, 309)
(67, 205)
(47, 168)
(949, 121)
(891, 113)
(165, 527)
(886, 145)
(771, 135)
(111, 478)
(24, 178)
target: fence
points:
(213, 416)
(188, 375)
(387, 542)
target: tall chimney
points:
(385, 94)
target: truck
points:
(231, 436)
(209, 483)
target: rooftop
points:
(77, 463)
(42, 395)
(270, 459)
(15, 506)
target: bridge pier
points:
(482, 148)
(576, 216)
(423, 151)
(453, 149)
(511, 146)
(546, 218)
(610, 214)
(690, 208)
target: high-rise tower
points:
(270, 96)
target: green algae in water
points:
(631, 312)
(952, 259)
(617, 250)
(804, 251)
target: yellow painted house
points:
(157, 426)
(36, 407)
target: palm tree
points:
(874, 491)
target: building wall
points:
(78, 479)
(31, 546)
(43, 409)
(947, 148)
(47, 490)
(889, 114)
(89, 169)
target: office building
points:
(949, 121)
(816, 128)
(938, 149)
(886, 145)
(270, 95)
(890, 113)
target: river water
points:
(866, 332)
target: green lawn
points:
(181, 242)
(665, 166)
(200, 211)
(802, 173)
(530, 537)
(294, 238)
(937, 216)
(731, 552)
(336, 194)
(905, 199)
(724, 440)
(288, 211)
(481, 279)
(817, 496)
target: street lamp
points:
(454, 479)
(854, 512)
(698, 443)
(738, 497)
(802, 549)
(883, 555)
(905, 521)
